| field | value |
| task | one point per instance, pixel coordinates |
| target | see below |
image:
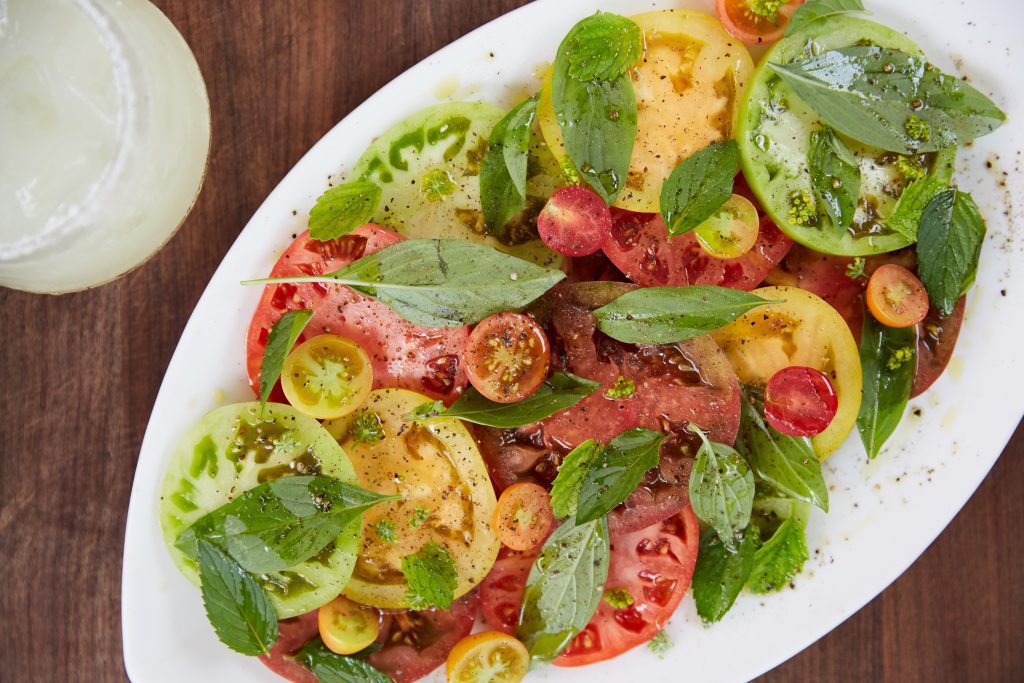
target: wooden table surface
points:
(81, 372)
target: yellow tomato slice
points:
(732, 231)
(347, 627)
(327, 376)
(447, 497)
(803, 330)
(686, 89)
(487, 657)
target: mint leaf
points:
(603, 47)
(721, 488)
(431, 577)
(503, 171)
(948, 246)
(721, 573)
(666, 315)
(562, 390)
(835, 177)
(906, 215)
(780, 558)
(238, 609)
(565, 489)
(814, 10)
(617, 471)
(888, 361)
(280, 341)
(343, 208)
(699, 186)
(330, 667)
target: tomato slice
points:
(800, 401)
(896, 297)
(346, 627)
(574, 222)
(501, 593)
(401, 354)
(732, 231)
(292, 635)
(488, 657)
(507, 357)
(327, 376)
(523, 517)
(936, 339)
(756, 22)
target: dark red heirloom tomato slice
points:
(403, 355)
(655, 566)
(936, 339)
(753, 21)
(574, 222)
(641, 248)
(507, 357)
(292, 635)
(501, 591)
(800, 401)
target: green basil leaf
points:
(431, 577)
(721, 488)
(699, 186)
(721, 573)
(813, 10)
(890, 99)
(565, 489)
(282, 523)
(503, 171)
(330, 667)
(562, 390)
(948, 246)
(603, 47)
(237, 607)
(906, 215)
(441, 283)
(280, 341)
(564, 588)
(343, 208)
(888, 361)
(835, 176)
(780, 558)
(786, 462)
(617, 472)
(665, 315)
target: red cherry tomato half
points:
(800, 401)
(507, 357)
(574, 222)
(753, 21)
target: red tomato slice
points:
(292, 635)
(800, 401)
(740, 20)
(402, 354)
(501, 591)
(641, 248)
(936, 339)
(574, 222)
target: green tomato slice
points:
(773, 128)
(235, 448)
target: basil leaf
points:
(906, 215)
(721, 573)
(780, 558)
(835, 176)
(617, 472)
(814, 10)
(238, 609)
(786, 462)
(279, 524)
(503, 171)
(431, 577)
(888, 361)
(665, 315)
(721, 488)
(948, 246)
(603, 47)
(562, 390)
(330, 667)
(565, 489)
(699, 186)
(280, 341)
(564, 588)
(343, 208)
(889, 99)
(441, 283)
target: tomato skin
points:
(574, 222)
(507, 357)
(936, 340)
(896, 297)
(743, 24)
(800, 401)
(523, 518)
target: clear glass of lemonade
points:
(104, 136)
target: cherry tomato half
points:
(800, 401)
(756, 22)
(346, 627)
(327, 376)
(523, 517)
(732, 231)
(490, 656)
(507, 357)
(575, 221)
(896, 297)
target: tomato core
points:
(800, 401)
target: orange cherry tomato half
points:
(507, 357)
(896, 297)
(800, 401)
(756, 22)
(523, 518)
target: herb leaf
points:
(780, 558)
(330, 667)
(948, 246)
(665, 315)
(441, 283)
(888, 361)
(565, 489)
(238, 609)
(699, 186)
(889, 99)
(813, 10)
(564, 588)
(835, 176)
(279, 524)
(431, 576)
(503, 171)
(617, 471)
(604, 47)
(343, 208)
(906, 215)
(721, 488)
(280, 341)
(721, 573)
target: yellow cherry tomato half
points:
(523, 517)
(488, 657)
(731, 231)
(347, 627)
(327, 377)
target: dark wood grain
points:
(80, 374)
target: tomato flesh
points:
(896, 297)
(292, 635)
(732, 231)
(327, 376)
(523, 518)
(744, 22)
(574, 222)
(490, 656)
(507, 357)
(501, 592)
(800, 401)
